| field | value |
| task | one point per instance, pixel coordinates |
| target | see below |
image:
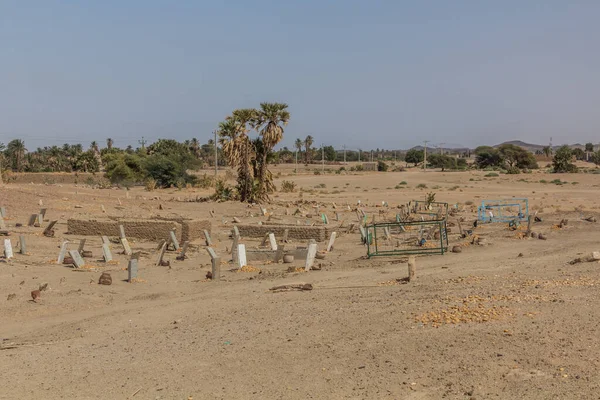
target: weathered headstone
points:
(386, 232)
(77, 260)
(8, 252)
(2, 223)
(49, 232)
(22, 244)
(236, 231)
(279, 254)
(161, 254)
(122, 232)
(234, 250)
(286, 233)
(43, 212)
(216, 264)
(132, 269)
(106, 253)
(32, 220)
(363, 234)
(331, 241)
(412, 268)
(310, 256)
(272, 241)
(242, 255)
(105, 240)
(207, 238)
(126, 246)
(103, 209)
(81, 246)
(181, 255)
(63, 252)
(174, 240)
(3, 212)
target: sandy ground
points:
(482, 324)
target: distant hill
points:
(535, 147)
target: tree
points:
(516, 157)
(547, 151)
(414, 156)
(307, 143)
(269, 122)
(298, 145)
(487, 156)
(589, 147)
(109, 143)
(579, 154)
(330, 153)
(562, 161)
(596, 157)
(15, 151)
(442, 161)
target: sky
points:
(364, 74)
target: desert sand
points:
(511, 319)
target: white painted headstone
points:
(8, 252)
(106, 253)
(174, 239)
(63, 251)
(331, 241)
(242, 255)
(272, 241)
(310, 256)
(77, 260)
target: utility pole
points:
(296, 161)
(442, 148)
(425, 154)
(344, 154)
(358, 155)
(323, 158)
(143, 143)
(371, 155)
(216, 155)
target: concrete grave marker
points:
(310, 256)
(174, 240)
(39, 220)
(263, 211)
(40, 202)
(43, 212)
(160, 244)
(81, 246)
(122, 232)
(132, 269)
(8, 252)
(363, 234)
(126, 247)
(236, 231)
(107, 254)
(32, 220)
(279, 254)
(63, 252)
(234, 250)
(22, 244)
(207, 238)
(216, 264)
(77, 260)
(48, 231)
(331, 241)
(242, 255)
(272, 241)
(181, 255)
(286, 233)
(103, 209)
(3, 212)
(161, 254)
(2, 223)
(105, 240)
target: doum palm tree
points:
(307, 143)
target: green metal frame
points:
(414, 205)
(371, 241)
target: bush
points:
(421, 186)
(317, 172)
(562, 160)
(288, 186)
(491, 175)
(223, 192)
(513, 170)
(403, 183)
(167, 172)
(382, 166)
(150, 184)
(360, 167)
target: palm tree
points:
(547, 151)
(307, 143)
(16, 151)
(238, 149)
(109, 143)
(298, 144)
(194, 147)
(269, 122)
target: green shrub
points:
(288, 187)
(491, 175)
(421, 186)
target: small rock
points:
(534, 235)
(520, 255)
(105, 279)
(43, 286)
(542, 237)
(35, 294)
(457, 249)
(209, 275)
(11, 296)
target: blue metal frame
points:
(496, 206)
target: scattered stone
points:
(457, 249)
(542, 237)
(35, 294)
(534, 235)
(43, 286)
(11, 296)
(209, 275)
(520, 255)
(68, 260)
(105, 279)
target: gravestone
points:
(22, 244)
(48, 231)
(105, 240)
(272, 241)
(242, 255)
(181, 255)
(310, 256)
(331, 241)
(279, 254)
(126, 247)
(207, 238)
(62, 253)
(132, 269)
(8, 252)
(174, 240)
(81, 246)
(236, 231)
(161, 254)
(286, 233)
(43, 212)
(2, 223)
(235, 250)
(216, 264)
(3, 212)
(107, 254)
(77, 260)
(32, 220)
(122, 232)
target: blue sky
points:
(366, 74)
